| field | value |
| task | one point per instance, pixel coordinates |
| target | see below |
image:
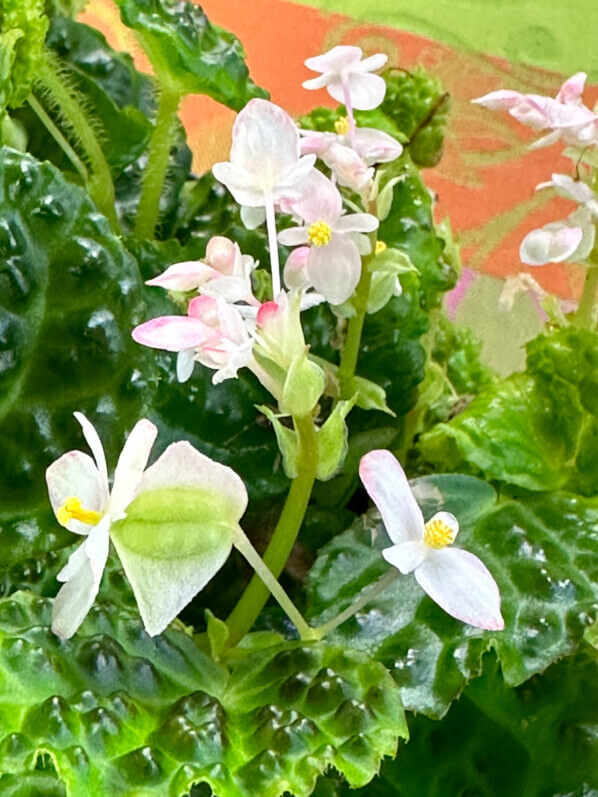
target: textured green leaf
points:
(69, 295)
(538, 740)
(188, 53)
(120, 713)
(537, 430)
(22, 35)
(541, 551)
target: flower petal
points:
(95, 444)
(265, 143)
(293, 236)
(181, 465)
(295, 269)
(357, 222)
(371, 64)
(75, 474)
(319, 82)
(184, 276)
(243, 186)
(406, 556)
(339, 57)
(461, 585)
(375, 146)
(500, 100)
(318, 200)
(172, 333)
(572, 88)
(130, 466)
(367, 90)
(82, 574)
(252, 217)
(550, 244)
(334, 269)
(386, 484)
(185, 362)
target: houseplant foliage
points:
(249, 355)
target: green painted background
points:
(554, 34)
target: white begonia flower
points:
(348, 78)
(163, 581)
(455, 579)
(83, 503)
(213, 333)
(565, 115)
(569, 240)
(224, 272)
(333, 265)
(265, 165)
(350, 157)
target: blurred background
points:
(485, 182)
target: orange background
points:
(486, 179)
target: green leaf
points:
(332, 439)
(69, 295)
(24, 27)
(541, 551)
(536, 430)
(288, 443)
(188, 53)
(539, 740)
(122, 714)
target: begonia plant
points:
(314, 523)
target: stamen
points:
(319, 233)
(342, 126)
(438, 534)
(380, 247)
(72, 510)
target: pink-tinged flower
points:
(213, 333)
(569, 240)
(333, 266)
(348, 78)
(224, 272)
(455, 579)
(83, 503)
(565, 115)
(350, 157)
(265, 165)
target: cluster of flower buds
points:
(570, 122)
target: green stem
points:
(58, 137)
(243, 545)
(100, 184)
(366, 596)
(157, 165)
(583, 316)
(350, 353)
(289, 523)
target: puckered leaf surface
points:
(537, 740)
(541, 551)
(120, 713)
(537, 430)
(69, 295)
(190, 53)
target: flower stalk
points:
(157, 164)
(289, 524)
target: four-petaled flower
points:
(348, 78)
(333, 265)
(571, 239)
(223, 272)
(213, 333)
(565, 115)
(455, 579)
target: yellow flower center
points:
(438, 534)
(319, 233)
(72, 510)
(380, 247)
(342, 126)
